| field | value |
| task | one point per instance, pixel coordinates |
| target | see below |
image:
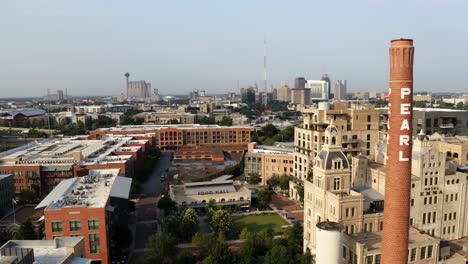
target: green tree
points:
(221, 221)
(220, 253)
(278, 254)
(264, 199)
(254, 178)
(460, 106)
(28, 197)
(284, 182)
(269, 130)
(185, 257)
(25, 231)
(161, 249)
(287, 134)
(244, 233)
(207, 120)
(189, 223)
(274, 180)
(166, 204)
(300, 191)
(226, 121)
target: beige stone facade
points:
(268, 161)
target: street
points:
(153, 186)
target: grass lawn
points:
(257, 223)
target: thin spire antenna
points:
(264, 65)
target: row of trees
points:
(212, 249)
(270, 134)
(205, 120)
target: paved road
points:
(153, 186)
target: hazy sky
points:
(179, 46)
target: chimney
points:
(399, 148)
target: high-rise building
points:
(138, 89)
(399, 149)
(300, 96)
(60, 95)
(247, 95)
(299, 83)
(340, 90)
(359, 129)
(284, 93)
(326, 78)
(318, 90)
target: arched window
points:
(333, 140)
(449, 154)
(455, 155)
(223, 200)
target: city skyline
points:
(87, 47)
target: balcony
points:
(351, 140)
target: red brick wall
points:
(82, 214)
(398, 180)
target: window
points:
(422, 253)
(413, 254)
(377, 259)
(57, 226)
(336, 184)
(344, 252)
(370, 259)
(94, 243)
(429, 251)
(75, 225)
(93, 224)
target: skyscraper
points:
(340, 90)
(327, 79)
(399, 152)
(318, 90)
(299, 83)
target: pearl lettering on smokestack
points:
(399, 148)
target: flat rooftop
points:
(164, 127)
(90, 191)
(374, 240)
(49, 251)
(65, 151)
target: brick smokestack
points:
(399, 149)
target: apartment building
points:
(448, 122)
(269, 160)
(167, 118)
(40, 166)
(174, 136)
(359, 129)
(88, 207)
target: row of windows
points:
(430, 181)
(452, 197)
(429, 219)
(450, 216)
(446, 230)
(75, 225)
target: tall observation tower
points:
(126, 76)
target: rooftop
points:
(163, 127)
(374, 240)
(90, 191)
(65, 151)
(49, 251)
(4, 176)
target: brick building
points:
(40, 166)
(174, 136)
(89, 207)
